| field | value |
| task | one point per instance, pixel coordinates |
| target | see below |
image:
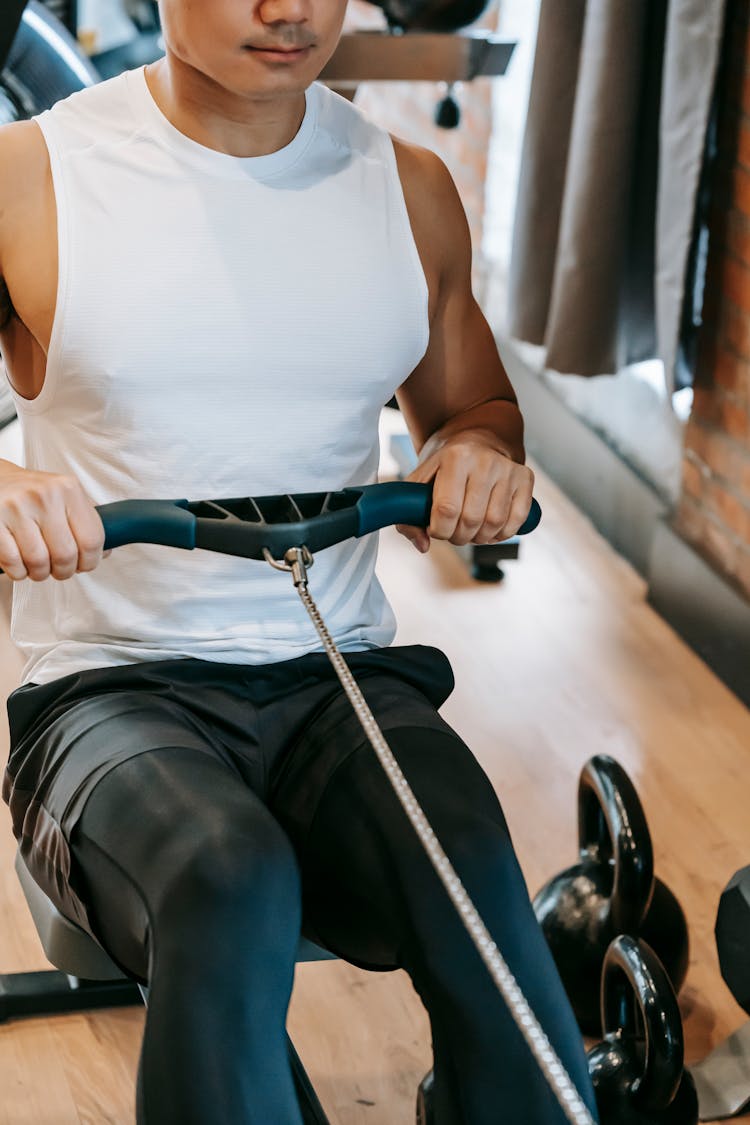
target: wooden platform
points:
(562, 661)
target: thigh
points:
(364, 871)
(172, 845)
(67, 736)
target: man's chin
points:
(260, 80)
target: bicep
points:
(461, 367)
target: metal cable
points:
(558, 1078)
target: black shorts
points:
(68, 734)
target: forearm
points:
(499, 423)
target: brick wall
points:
(714, 512)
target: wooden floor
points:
(562, 661)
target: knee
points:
(229, 875)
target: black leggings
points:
(197, 886)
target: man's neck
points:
(218, 119)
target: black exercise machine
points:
(40, 61)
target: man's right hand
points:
(48, 526)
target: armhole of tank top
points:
(43, 400)
(403, 214)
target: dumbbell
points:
(733, 936)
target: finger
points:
(420, 542)
(498, 513)
(416, 535)
(87, 529)
(474, 511)
(62, 546)
(10, 557)
(33, 548)
(519, 509)
(447, 500)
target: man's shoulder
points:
(24, 163)
(421, 169)
(437, 214)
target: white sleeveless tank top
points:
(224, 327)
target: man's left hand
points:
(479, 496)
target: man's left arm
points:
(458, 403)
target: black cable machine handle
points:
(248, 526)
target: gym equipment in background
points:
(66, 11)
(43, 65)
(733, 936)
(9, 26)
(145, 46)
(418, 56)
(638, 1068)
(723, 1078)
(610, 891)
(441, 16)
(431, 15)
(288, 526)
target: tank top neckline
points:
(210, 160)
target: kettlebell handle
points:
(612, 828)
(639, 1002)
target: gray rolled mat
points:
(723, 1078)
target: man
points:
(217, 272)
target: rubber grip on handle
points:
(532, 521)
(148, 521)
(410, 503)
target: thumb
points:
(416, 535)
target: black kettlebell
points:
(610, 891)
(638, 1070)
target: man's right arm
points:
(48, 526)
